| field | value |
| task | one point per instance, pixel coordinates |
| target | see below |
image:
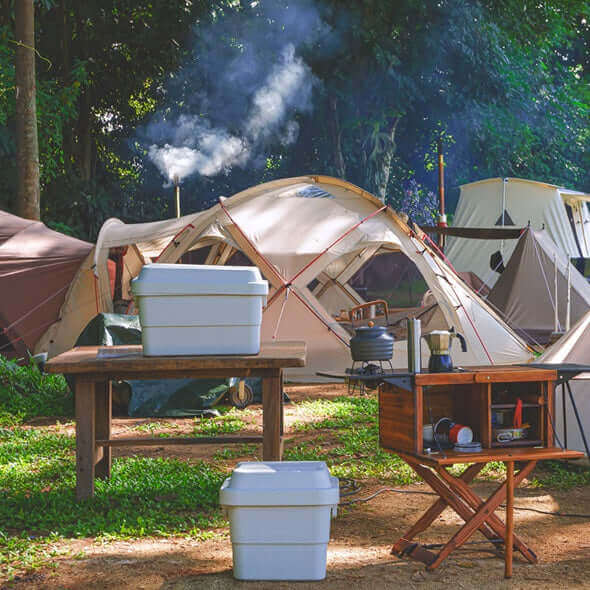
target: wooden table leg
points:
(85, 438)
(509, 518)
(434, 511)
(480, 517)
(493, 521)
(271, 417)
(103, 413)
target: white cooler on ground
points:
(194, 309)
(279, 515)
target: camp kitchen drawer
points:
(189, 309)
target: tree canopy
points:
(257, 90)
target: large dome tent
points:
(301, 232)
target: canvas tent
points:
(498, 202)
(37, 268)
(573, 347)
(525, 291)
(303, 232)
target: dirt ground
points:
(359, 551)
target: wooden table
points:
(93, 368)
(478, 514)
(470, 397)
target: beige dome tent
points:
(525, 291)
(573, 347)
(498, 202)
(308, 235)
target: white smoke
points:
(211, 151)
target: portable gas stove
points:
(360, 374)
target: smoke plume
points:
(247, 103)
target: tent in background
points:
(525, 292)
(497, 202)
(37, 267)
(305, 234)
(573, 347)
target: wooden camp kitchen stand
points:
(93, 368)
(469, 397)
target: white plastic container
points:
(190, 309)
(279, 515)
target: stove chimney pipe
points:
(442, 218)
(177, 194)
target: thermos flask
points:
(414, 345)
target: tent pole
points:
(569, 300)
(555, 307)
(504, 182)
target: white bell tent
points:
(504, 202)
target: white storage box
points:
(190, 309)
(279, 515)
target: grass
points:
(229, 422)
(143, 497)
(26, 393)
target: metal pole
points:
(177, 195)
(556, 310)
(442, 220)
(569, 300)
(578, 418)
(504, 182)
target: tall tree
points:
(27, 143)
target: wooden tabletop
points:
(497, 454)
(487, 374)
(130, 359)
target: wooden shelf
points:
(518, 443)
(512, 406)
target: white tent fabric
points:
(295, 229)
(482, 204)
(573, 347)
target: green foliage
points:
(143, 497)
(25, 392)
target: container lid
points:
(199, 279)
(280, 483)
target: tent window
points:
(313, 192)
(507, 219)
(391, 276)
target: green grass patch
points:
(25, 393)
(558, 474)
(227, 423)
(143, 497)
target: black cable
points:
(398, 491)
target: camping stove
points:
(359, 371)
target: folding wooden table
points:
(93, 368)
(474, 397)
(478, 514)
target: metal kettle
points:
(439, 343)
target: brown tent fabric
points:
(475, 283)
(524, 293)
(37, 266)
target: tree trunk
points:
(336, 132)
(67, 132)
(27, 142)
(379, 170)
